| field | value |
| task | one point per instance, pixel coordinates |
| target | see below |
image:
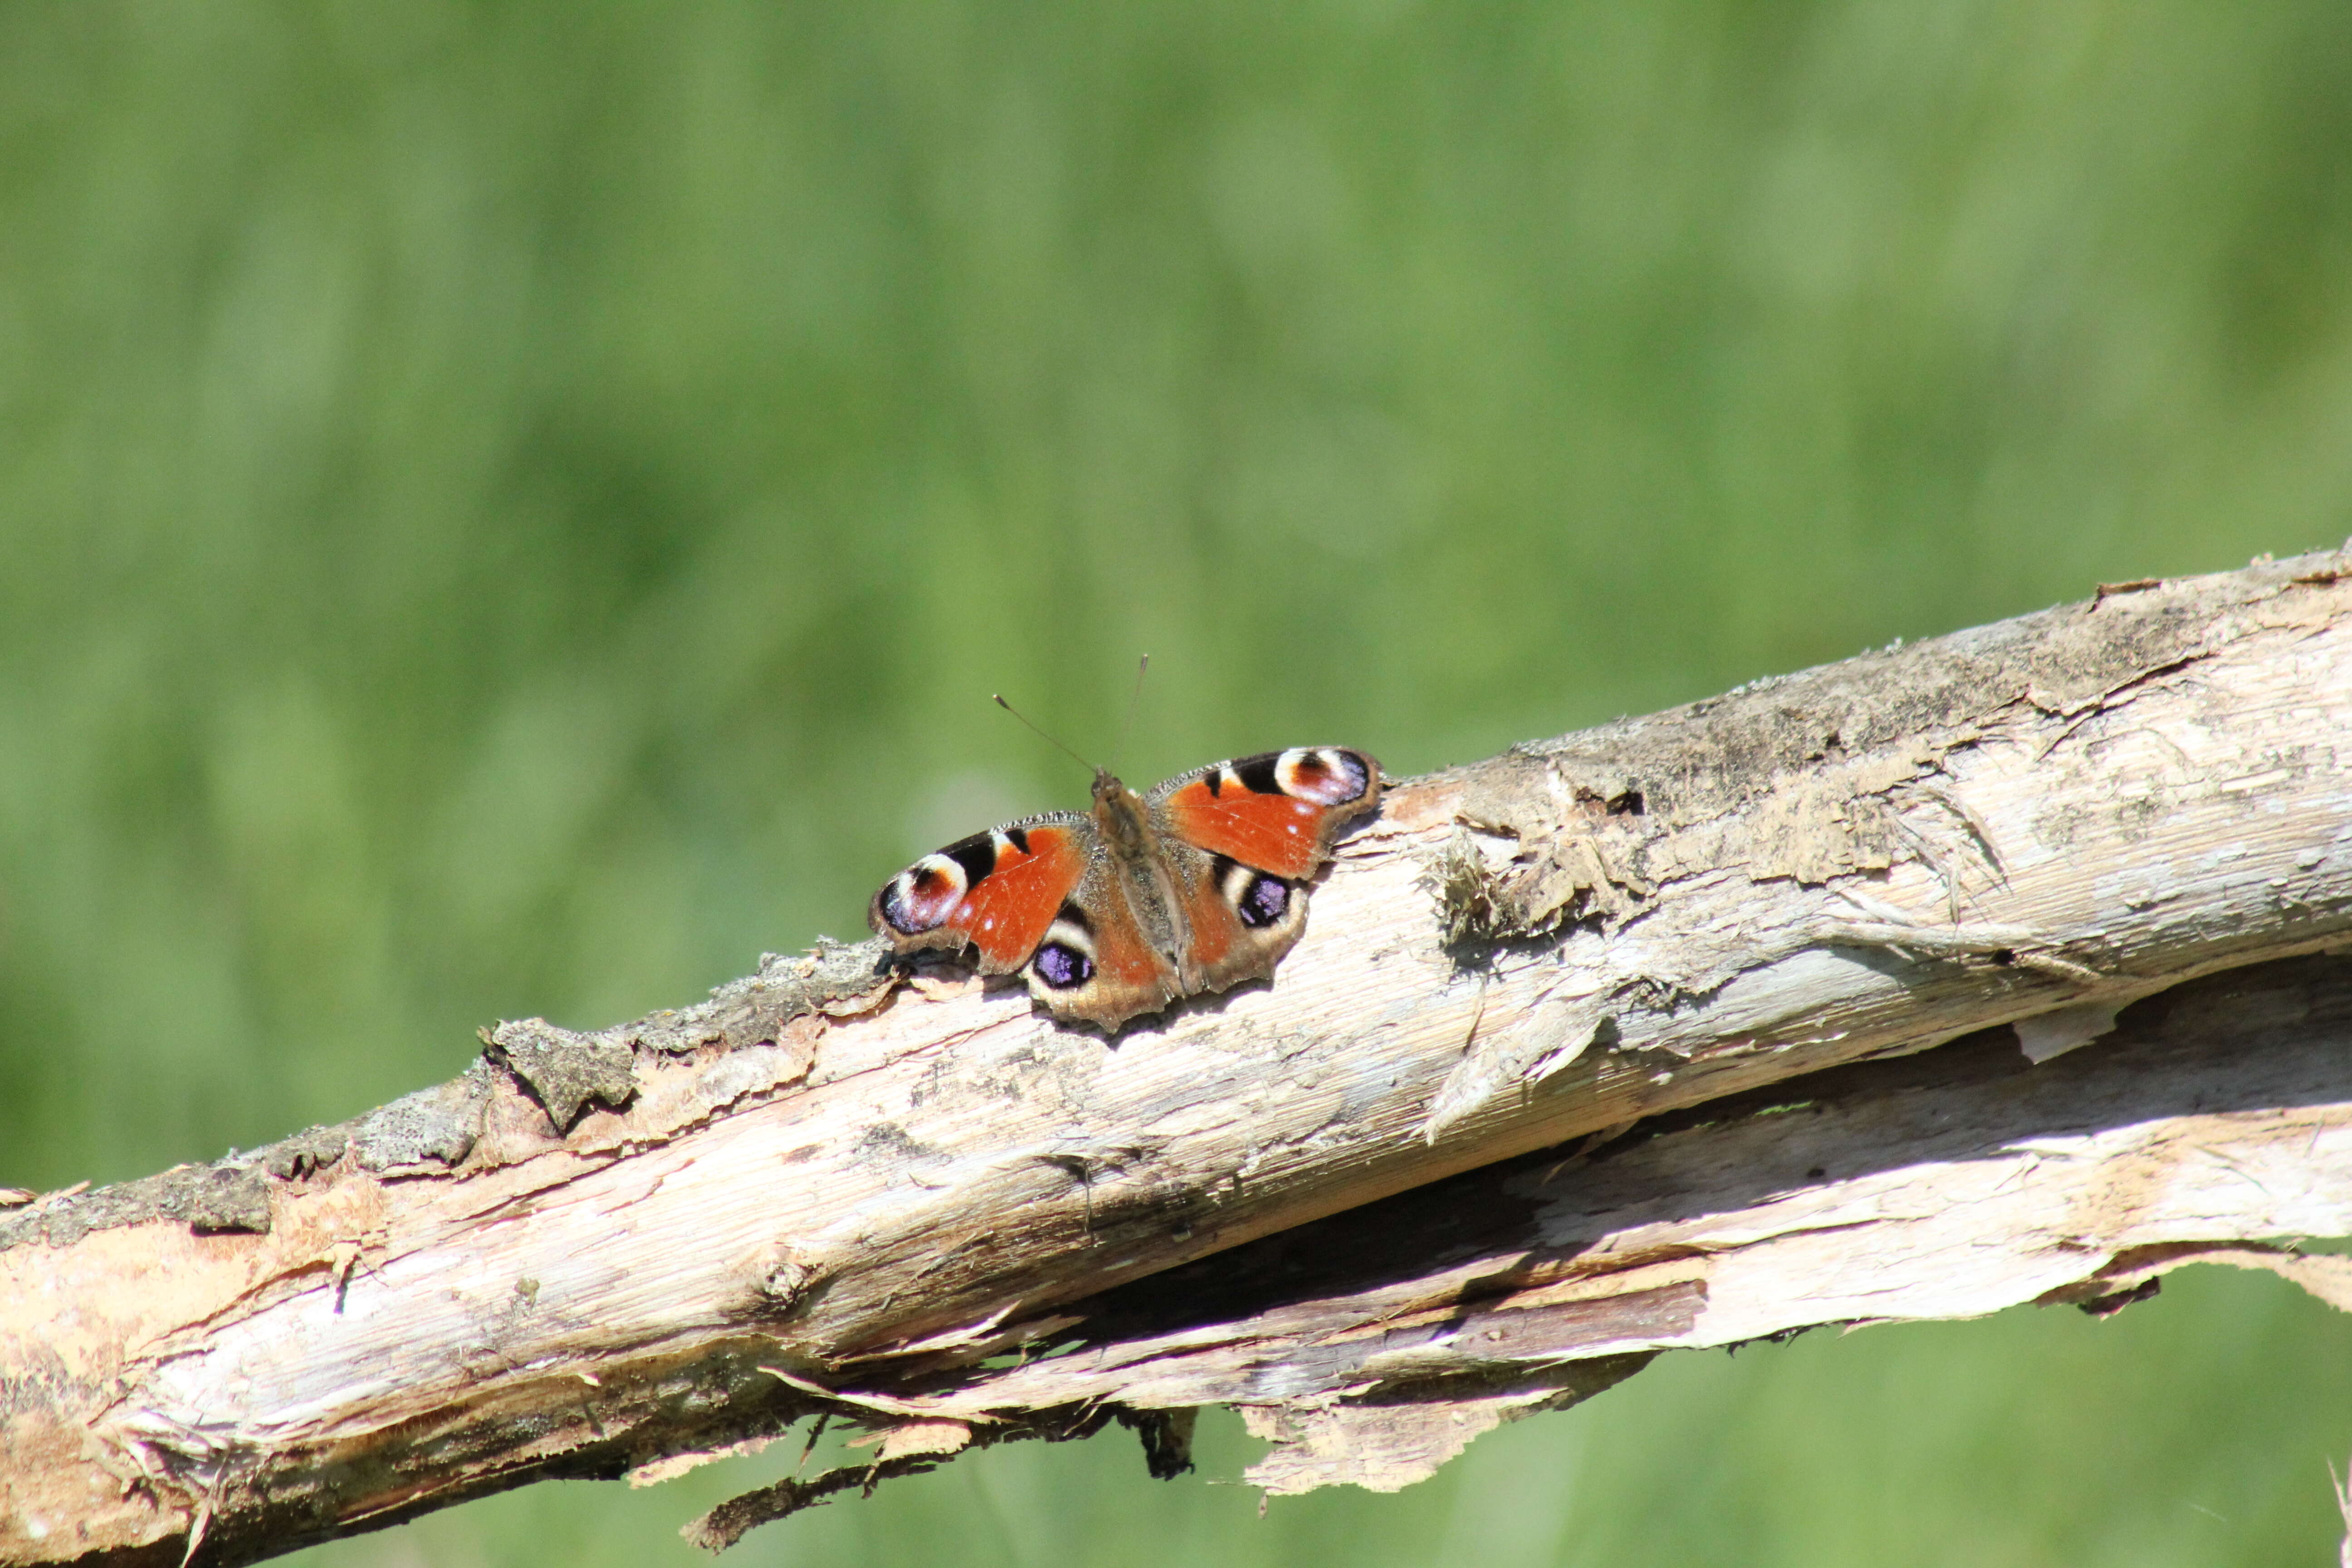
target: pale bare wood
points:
(870, 1189)
(2213, 1124)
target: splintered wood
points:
(1677, 1032)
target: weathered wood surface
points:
(2217, 1117)
(867, 1187)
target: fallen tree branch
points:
(834, 1188)
(1375, 1344)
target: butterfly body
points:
(1146, 898)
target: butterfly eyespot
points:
(1062, 967)
(921, 897)
(1324, 775)
(1263, 902)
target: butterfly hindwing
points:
(1275, 811)
(1100, 971)
(999, 891)
(1242, 920)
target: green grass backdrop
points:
(516, 508)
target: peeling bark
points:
(1752, 975)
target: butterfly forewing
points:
(999, 891)
(1275, 811)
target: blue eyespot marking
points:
(1263, 901)
(1062, 967)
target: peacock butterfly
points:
(1196, 887)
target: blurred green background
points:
(515, 510)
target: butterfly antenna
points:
(1134, 702)
(1041, 735)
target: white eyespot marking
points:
(923, 896)
(1324, 775)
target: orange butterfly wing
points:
(999, 891)
(1275, 811)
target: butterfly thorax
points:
(1142, 865)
